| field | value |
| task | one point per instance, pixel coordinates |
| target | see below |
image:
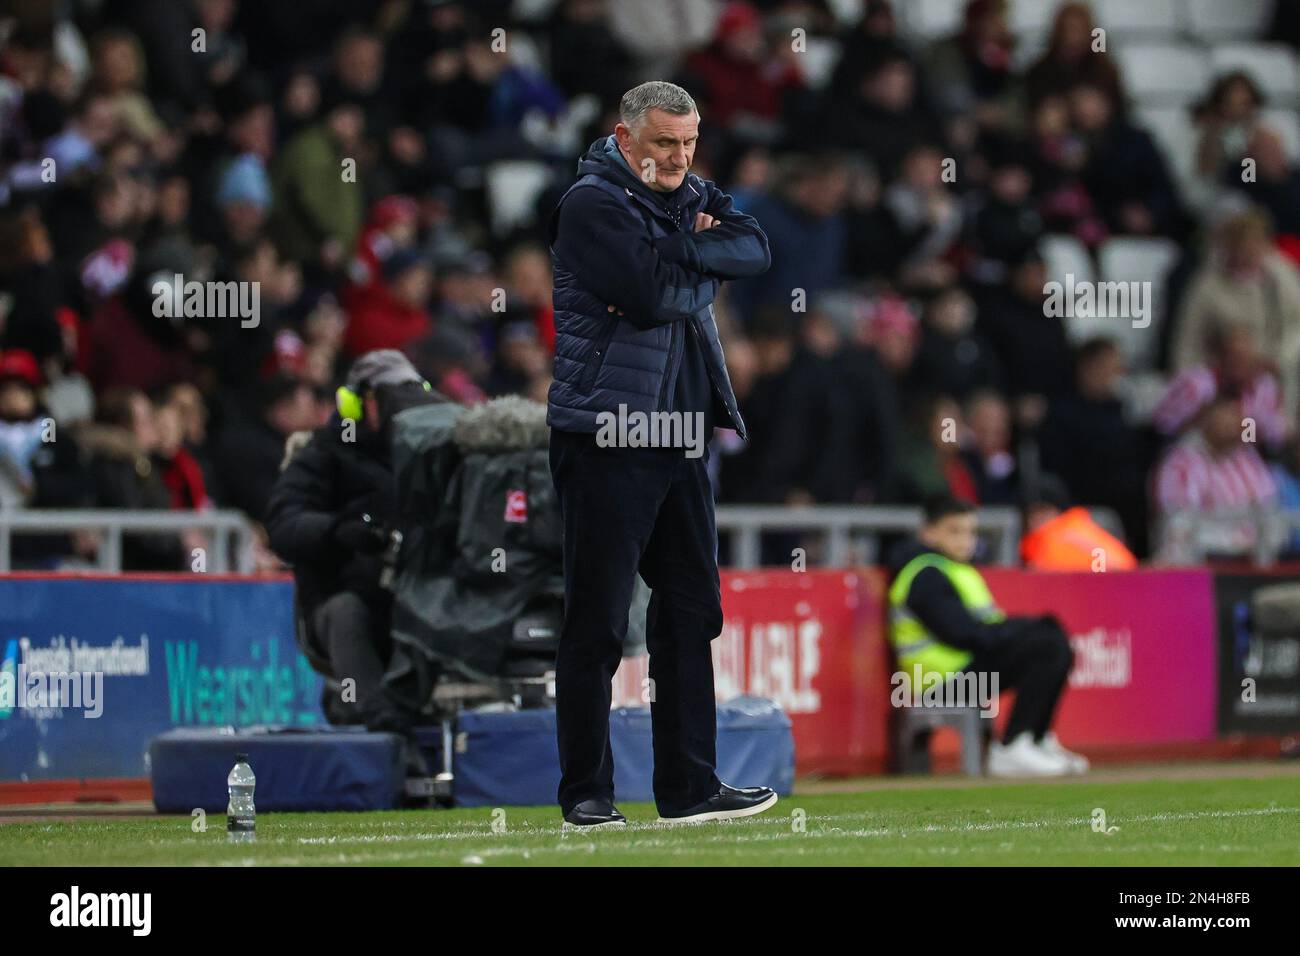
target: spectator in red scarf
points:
(180, 470)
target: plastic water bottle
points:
(241, 815)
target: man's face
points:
(1099, 378)
(1091, 108)
(414, 286)
(295, 412)
(892, 88)
(1245, 256)
(347, 124)
(990, 424)
(953, 536)
(360, 64)
(1221, 427)
(17, 401)
(661, 149)
(1029, 279)
(827, 193)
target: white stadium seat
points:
(1139, 259)
(1164, 74)
(524, 52)
(1271, 65)
(1177, 137)
(818, 60)
(847, 12)
(930, 19)
(1136, 259)
(1028, 50)
(1287, 124)
(1068, 262)
(1066, 255)
(533, 11)
(1031, 20)
(1125, 20)
(1217, 20)
(512, 190)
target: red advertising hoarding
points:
(813, 642)
(1144, 651)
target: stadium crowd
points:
(384, 172)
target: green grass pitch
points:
(1245, 822)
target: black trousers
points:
(356, 640)
(630, 510)
(1034, 659)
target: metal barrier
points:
(1190, 537)
(219, 526)
(851, 532)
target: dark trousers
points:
(630, 510)
(355, 638)
(1034, 659)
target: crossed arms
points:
(656, 282)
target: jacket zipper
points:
(672, 347)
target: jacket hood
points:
(904, 552)
(109, 441)
(603, 159)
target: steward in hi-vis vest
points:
(944, 621)
(914, 644)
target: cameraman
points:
(327, 517)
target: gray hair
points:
(654, 95)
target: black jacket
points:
(246, 458)
(833, 434)
(124, 476)
(328, 481)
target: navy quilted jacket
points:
(615, 241)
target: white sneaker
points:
(1024, 758)
(1078, 762)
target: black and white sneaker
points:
(594, 815)
(727, 804)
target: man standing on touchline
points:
(641, 246)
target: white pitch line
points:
(813, 830)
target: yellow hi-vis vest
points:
(913, 644)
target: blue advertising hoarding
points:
(92, 668)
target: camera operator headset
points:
(327, 517)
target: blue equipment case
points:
(510, 758)
(327, 768)
(500, 758)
